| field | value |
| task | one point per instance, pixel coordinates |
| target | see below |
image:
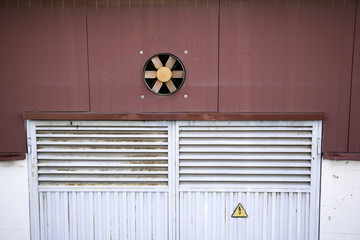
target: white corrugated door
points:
(101, 180)
(271, 168)
(174, 180)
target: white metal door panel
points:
(101, 180)
(271, 168)
(174, 180)
(272, 215)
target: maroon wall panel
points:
(288, 56)
(43, 61)
(119, 30)
(354, 129)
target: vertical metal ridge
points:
(218, 59)
(88, 55)
(352, 75)
(42, 210)
(123, 222)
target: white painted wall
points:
(14, 200)
(339, 216)
(340, 200)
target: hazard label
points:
(239, 212)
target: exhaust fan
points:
(164, 74)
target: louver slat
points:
(62, 164)
(102, 155)
(245, 156)
(248, 148)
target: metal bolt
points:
(185, 96)
(141, 52)
(186, 51)
(142, 96)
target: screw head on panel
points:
(141, 52)
(186, 51)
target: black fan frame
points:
(178, 82)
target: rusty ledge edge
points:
(341, 156)
(219, 116)
(12, 156)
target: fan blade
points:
(170, 62)
(157, 86)
(157, 63)
(170, 85)
(177, 74)
(150, 74)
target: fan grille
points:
(164, 74)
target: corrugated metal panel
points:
(43, 58)
(272, 215)
(289, 56)
(241, 155)
(280, 56)
(90, 215)
(102, 155)
(119, 30)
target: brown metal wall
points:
(354, 131)
(269, 56)
(43, 62)
(289, 56)
(119, 30)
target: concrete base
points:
(14, 201)
(340, 200)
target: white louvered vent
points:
(256, 155)
(102, 155)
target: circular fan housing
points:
(164, 74)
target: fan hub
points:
(163, 74)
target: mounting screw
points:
(141, 52)
(185, 96)
(186, 51)
(142, 96)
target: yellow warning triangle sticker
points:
(239, 212)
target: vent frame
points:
(303, 160)
(150, 82)
(106, 157)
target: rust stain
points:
(66, 170)
(128, 184)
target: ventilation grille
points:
(112, 155)
(245, 156)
